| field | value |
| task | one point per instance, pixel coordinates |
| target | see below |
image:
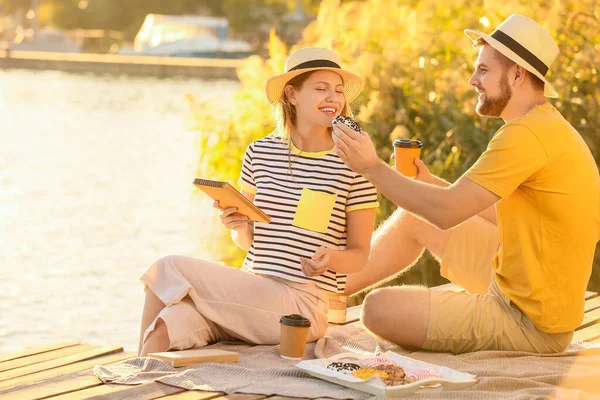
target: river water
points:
(95, 185)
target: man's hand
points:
(423, 173)
(318, 264)
(354, 148)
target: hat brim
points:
(353, 84)
(474, 35)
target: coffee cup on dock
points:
(337, 308)
(294, 332)
(405, 153)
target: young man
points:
(518, 230)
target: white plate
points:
(449, 379)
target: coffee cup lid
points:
(295, 320)
(408, 143)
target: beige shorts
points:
(208, 302)
(482, 318)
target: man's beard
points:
(493, 107)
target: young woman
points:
(322, 216)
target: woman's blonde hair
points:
(285, 112)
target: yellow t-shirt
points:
(548, 215)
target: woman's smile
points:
(329, 111)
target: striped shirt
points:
(307, 204)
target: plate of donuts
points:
(388, 374)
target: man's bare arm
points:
(488, 214)
(443, 207)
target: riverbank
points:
(157, 67)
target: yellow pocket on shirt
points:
(314, 210)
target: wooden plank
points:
(197, 395)
(592, 304)
(588, 334)
(31, 379)
(59, 362)
(152, 390)
(92, 392)
(54, 389)
(124, 59)
(590, 295)
(36, 350)
(47, 356)
(194, 395)
(590, 318)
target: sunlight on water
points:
(95, 185)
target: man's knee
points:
(374, 310)
(398, 314)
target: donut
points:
(395, 374)
(349, 122)
(345, 368)
(371, 362)
(420, 374)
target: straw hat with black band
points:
(525, 42)
(313, 59)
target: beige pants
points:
(208, 302)
(483, 318)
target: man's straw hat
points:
(525, 42)
(313, 59)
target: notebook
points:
(184, 358)
(228, 196)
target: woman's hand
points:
(318, 264)
(232, 222)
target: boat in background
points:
(187, 36)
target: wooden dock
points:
(160, 67)
(64, 370)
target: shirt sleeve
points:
(246, 181)
(362, 195)
(512, 157)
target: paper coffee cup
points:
(337, 309)
(405, 152)
(294, 332)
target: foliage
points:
(416, 62)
